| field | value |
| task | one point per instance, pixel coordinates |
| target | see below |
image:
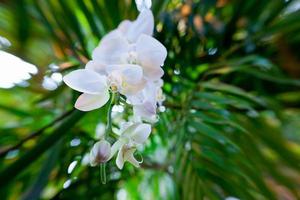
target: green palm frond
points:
(231, 124)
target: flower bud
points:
(143, 4)
(100, 152)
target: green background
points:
(231, 125)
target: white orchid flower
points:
(145, 102)
(126, 79)
(144, 24)
(131, 43)
(128, 61)
(116, 42)
(93, 86)
(100, 152)
(133, 134)
(147, 52)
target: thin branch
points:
(8, 173)
(155, 166)
(3, 152)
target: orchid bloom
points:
(111, 44)
(133, 134)
(127, 80)
(93, 86)
(147, 52)
(100, 152)
(131, 43)
(124, 61)
(145, 102)
(128, 61)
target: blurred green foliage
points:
(231, 125)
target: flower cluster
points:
(127, 61)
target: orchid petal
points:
(111, 48)
(130, 157)
(148, 94)
(127, 132)
(129, 78)
(120, 158)
(150, 51)
(92, 159)
(100, 152)
(151, 55)
(144, 24)
(117, 146)
(153, 73)
(132, 89)
(143, 4)
(131, 74)
(146, 111)
(96, 66)
(124, 26)
(88, 102)
(159, 83)
(136, 98)
(86, 81)
(141, 133)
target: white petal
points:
(92, 159)
(117, 146)
(129, 130)
(143, 4)
(100, 152)
(129, 78)
(124, 26)
(96, 66)
(132, 89)
(88, 102)
(159, 83)
(124, 125)
(136, 98)
(146, 111)
(86, 81)
(153, 73)
(144, 24)
(151, 55)
(131, 74)
(141, 133)
(130, 157)
(111, 48)
(150, 51)
(150, 92)
(120, 159)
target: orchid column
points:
(127, 63)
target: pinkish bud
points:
(100, 152)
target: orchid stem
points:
(103, 173)
(109, 110)
(107, 133)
